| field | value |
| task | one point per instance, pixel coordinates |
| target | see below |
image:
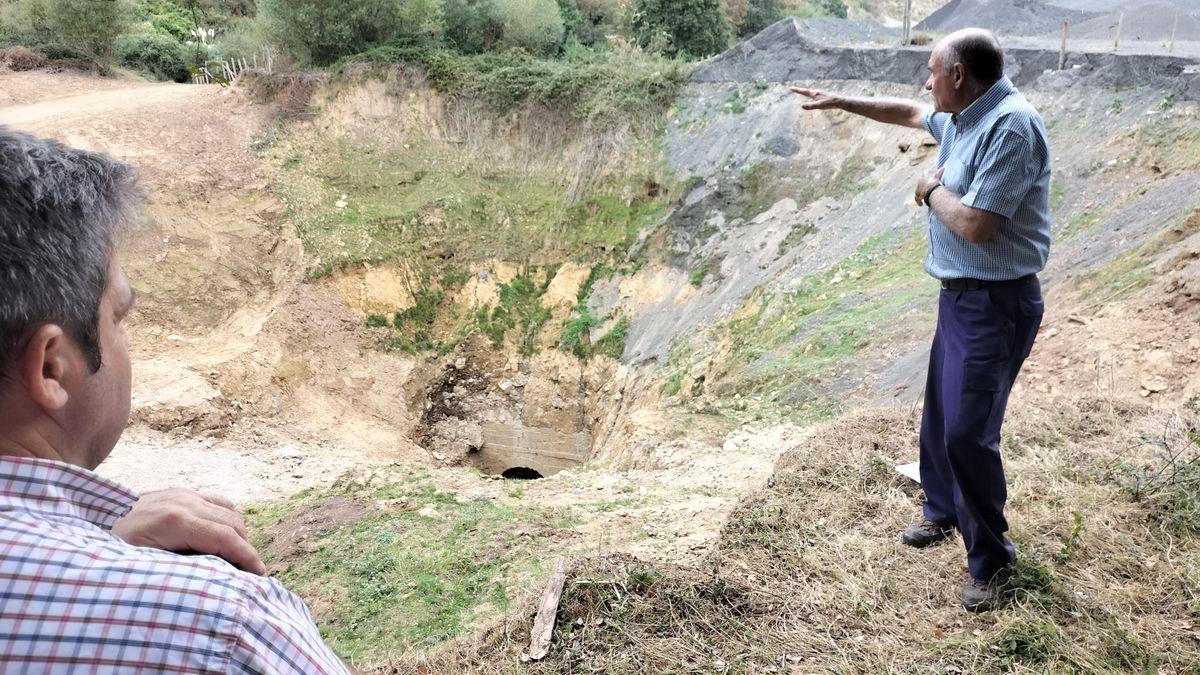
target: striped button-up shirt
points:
(75, 598)
(995, 154)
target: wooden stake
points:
(1175, 27)
(907, 22)
(1117, 39)
(1062, 51)
(543, 625)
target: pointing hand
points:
(821, 100)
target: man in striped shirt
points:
(88, 579)
(989, 236)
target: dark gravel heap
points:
(1004, 17)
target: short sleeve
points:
(935, 123)
(277, 635)
(1010, 165)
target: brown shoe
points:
(925, 532)
(980, 596)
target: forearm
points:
(887, 110)
(974, 225)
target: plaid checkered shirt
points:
(75, 598)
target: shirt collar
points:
(985, 103)
(60, 489)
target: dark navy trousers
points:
(983, 336)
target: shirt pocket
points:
(954, 177)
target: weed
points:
(698, 275)
(377, 321)
(672, 385)
(1116, 106)
(1029, 640)
(575, 334)
(1170, 481)
(1071, 543)
(613, 342)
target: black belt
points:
(976, 284)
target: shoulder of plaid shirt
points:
(74, 597)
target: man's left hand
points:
(926, 183)
(184, 521)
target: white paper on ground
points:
(911, 470)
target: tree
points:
(321, 32)
(89, 26)
(533, 25)
(695, 28)
(759, 15)
(472, 26)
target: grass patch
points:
(799, 336)
(354, 202)
(417, 569)
(520, 308)
(1133, 270)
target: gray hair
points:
(978, 51)
(61, 211)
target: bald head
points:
(977, 50)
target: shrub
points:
(21, 58)
(167, 17)
(321, 32)
(156, 54)
(596, 85)
(479, 26)
(759, 15)
(533, 25)
(90, 26)
(245, 38)
(598, 19)
(695, 28)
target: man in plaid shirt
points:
(89, 581)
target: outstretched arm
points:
(887, 110)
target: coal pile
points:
(1004, 17)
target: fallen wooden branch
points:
(543, 624)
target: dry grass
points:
(808, 575)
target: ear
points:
(960, 75)
(47, 363)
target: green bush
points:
(155, 54)
(245, 38)
(695, 28)
(320, 32)
(596, 85)
(472, 26)
(598, 19)
(89, 26)
(533, 25)
(167, 17)
(480, 26)
(759, 15)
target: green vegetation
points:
(414, 568)
(796, 338)
(158, 55)
(695, 28)
(520, 308)
(444, 196)
(698, 275)
(1169, 483)
(612, 344)
(592, 85)
(1133, 270)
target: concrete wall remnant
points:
(515, 446)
